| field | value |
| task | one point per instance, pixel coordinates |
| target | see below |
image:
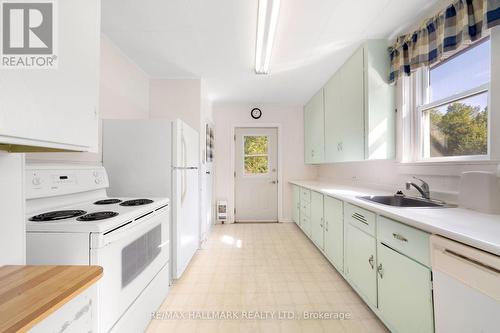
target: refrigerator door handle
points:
(183, 176)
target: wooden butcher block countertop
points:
(29, 294)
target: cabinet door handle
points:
(380, 271)
(371, 260)
(326, 225)
(321, 223)
(399, 237)
(359, 218)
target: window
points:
(452, 111)
(256, 159)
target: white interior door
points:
(256, 175)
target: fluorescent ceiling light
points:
(266, 31)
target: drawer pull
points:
(399, 237)
(380, 271)
(359, 218)
(371, 260)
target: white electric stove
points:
(71, 221)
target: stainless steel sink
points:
(403, 201)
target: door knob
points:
(273, 182)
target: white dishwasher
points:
(466, 288)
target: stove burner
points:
(57, 215)
(107, 202)
(136, 202)
(97, 216)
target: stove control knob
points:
(36, 181)
(97, 181)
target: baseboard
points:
(284, 220)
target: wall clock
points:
(256, 113)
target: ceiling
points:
(215, 40)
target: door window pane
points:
(256, 164)
(256, 159)
(255, 145)
(459, 128)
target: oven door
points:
(131, 256)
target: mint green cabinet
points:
(360, 263)
(404, 292)
(334, 231)
(314, 138)
(333, 112)
(380, 103)
(296, 204)
(317, 225)
(345, 113)
(358, 103)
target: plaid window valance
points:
(460, 24)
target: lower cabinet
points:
(79, 315)
(334, 231)
(360, 263)
(385, 261)
(317, 225)
(296, 205)
(404, 292)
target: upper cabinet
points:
(314, 119)
(55, 108)
(344, 112)
(358, 109)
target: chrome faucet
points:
(423, 188)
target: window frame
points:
(245, 155)
(419, 95)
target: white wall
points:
(176, 98)
(124, 93)
(290, 119)
(444, 179)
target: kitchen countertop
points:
(29, 294)
(473, 228)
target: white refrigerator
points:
(158, 158)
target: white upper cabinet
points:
(380, 102)
(314, 137)
(344, 112)
(57, 108)
(359, 109)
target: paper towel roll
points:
(480, 191)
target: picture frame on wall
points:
(209, 151)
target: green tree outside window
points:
(256, 154)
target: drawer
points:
(407, 240)
(305, 209)
(305, 195)
(360, 218)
